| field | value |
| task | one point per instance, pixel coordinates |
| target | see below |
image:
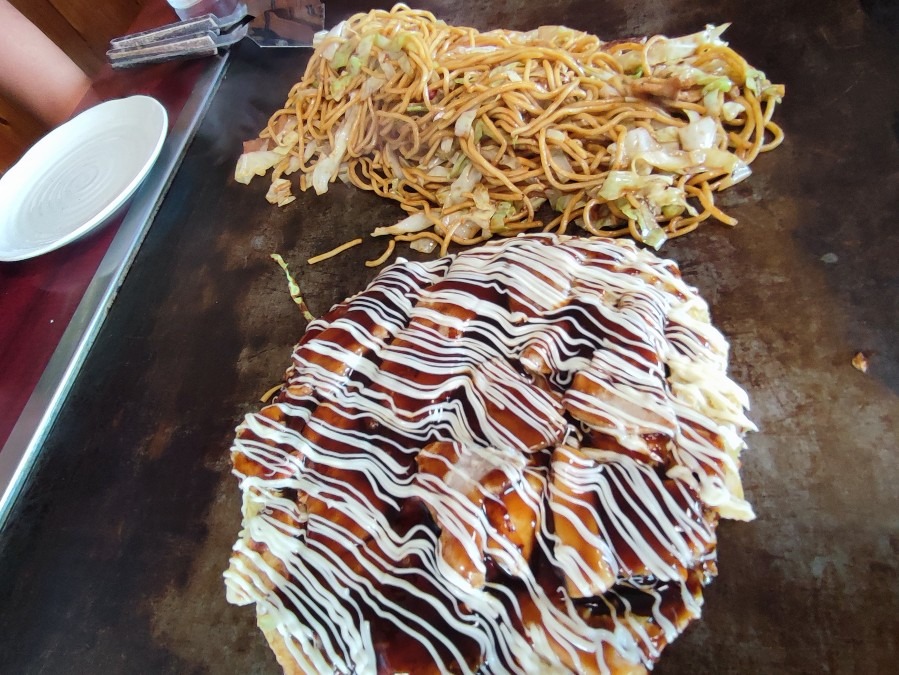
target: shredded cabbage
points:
(423, 245)
(414, 223)
(293, 287)
(255, 164)
(342, 55)
(731, 110)
(371, 85)
(464, 122)
(678, 49)
(617, 183)
(699, 135)
(326, 169)
(465, 183)
(560, 159)
(650, 232)
(556, 135)
(500, 216)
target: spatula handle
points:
(158, 52)
(198, 26)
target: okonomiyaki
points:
(510, 459)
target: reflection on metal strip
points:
(23, 446)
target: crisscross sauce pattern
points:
(508, 460)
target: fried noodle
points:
(473, 132)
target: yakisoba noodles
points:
(473, 132)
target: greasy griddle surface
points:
(113, 560)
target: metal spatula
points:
(269, 23)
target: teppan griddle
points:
(112, 559)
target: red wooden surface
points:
(38, 297)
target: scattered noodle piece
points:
(860, 362)
(334, 251)
(383, 257)
(268, 394)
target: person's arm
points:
(35, 73)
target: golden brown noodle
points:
(384, 256)
(334, 251)
(554, 116)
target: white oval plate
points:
(73, 179)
